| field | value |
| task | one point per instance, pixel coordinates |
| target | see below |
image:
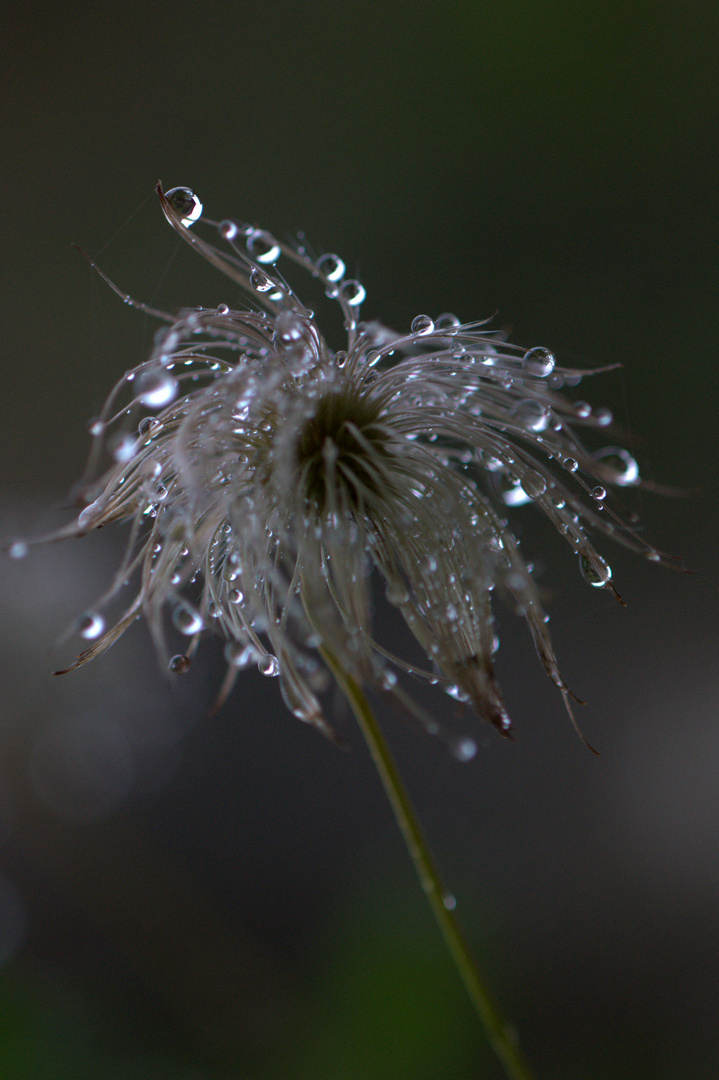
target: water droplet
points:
(268, 665)
(260, 281)
(18, 550)
(240, 655)
(123, 451)
(422, 324)
(449, 901)
(263, 247)
(571, 464)
(179, 664)
(331, 267)
(223, 309)
(512, 492)
(341, 358)
(353, 292)
(91, 625)
(603, 417)
(156, 388)
(228, 230)
(539, 362)
(187, 620)
(619, 464)
(96, 427)
(599, 493)
(582, 409)
(186, 203)
(396, 593)
(596, 571)
(235, 596)
(147, 424)
(533, 484)
(532, 415)
(446, 321)
(464, 749)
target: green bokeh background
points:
(247, 910)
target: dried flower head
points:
(269, 479)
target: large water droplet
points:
(260, 281)
(240, 655)
(422, 324)
(353, 292)
(268, 665)
(533, 484)
(620, 466)
(123, 451)
(156, 388)
(91, 625)
(532, 415)
(597, 572)
(539, 362)
(331, 267)
(179, 664)
(263, 247)
(185, 202)
(187, 620)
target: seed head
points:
(270, 479)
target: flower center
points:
(342, 452)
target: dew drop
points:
(582, 409)
(186, 203)
(533, 484)
(96, 427)
(235, 596)
(179, 664)
(571, 464)
(268, 665)
(18, 550)
(619, 465)
(156, 388)
(228, 230)
(422, 324)
(91, 625)
(260, 281)
(603, 417)
(353, 292)
(187, 620)
(539, 362)
(512, 492)
(532, 415)
(341, 358)
(240, 655)
(599, 493)
(147, 424)
(223, 309)
(597, 572)
(123, 451)
(463, 749)
(263, 247)
(449, 901)
(331, 267)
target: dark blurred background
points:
(198, 899)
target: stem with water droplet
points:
(499, 1033)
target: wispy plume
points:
(269, 478)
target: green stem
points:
(499, 1033)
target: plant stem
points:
(499, 1033)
